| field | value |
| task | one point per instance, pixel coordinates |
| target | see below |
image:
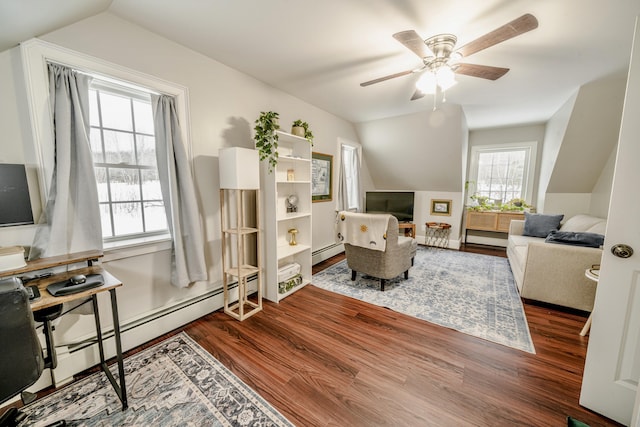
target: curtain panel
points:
(178, 193)
(71, 219)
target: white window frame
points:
(530, 149)
(35, 56)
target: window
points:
(123, 147)
(502, 172)
(350, 178)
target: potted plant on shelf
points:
(300, 128)
(266, 138)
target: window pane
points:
(151, 185)
(125, 185)
(143, 116)
(123, 148)
(116, 112)
(155, 216)
(146, 150)
(119, 147)
(127, 218)
(501, 174)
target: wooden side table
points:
(408, 228)
(591, 274)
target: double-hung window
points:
(350, 194)
(502, 172)
(123, 148)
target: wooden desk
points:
(47, 300)
(408, 228)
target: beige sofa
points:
(554, 273)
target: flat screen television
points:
(15, 203)
(396, 203)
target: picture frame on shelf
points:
(440, 207)
(321, 174)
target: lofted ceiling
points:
(320, 52)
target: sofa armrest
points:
(516, 227)
(555, 274)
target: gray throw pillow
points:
(540, 225)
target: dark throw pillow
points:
(589, 240)
(540, 225)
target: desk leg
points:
(121, 389)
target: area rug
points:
(471, 293)
(173, 383)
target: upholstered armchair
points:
(364, 235)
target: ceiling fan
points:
(441, 61)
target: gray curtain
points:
(179, 196)
(71, 219)
(349, 162)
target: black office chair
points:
(21, 358)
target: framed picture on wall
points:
(321, 172)
(440, 207)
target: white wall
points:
(554, 134)
(601, 194)
(223, 105)
(416, 152)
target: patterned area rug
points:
(174, 383)
(471, 293)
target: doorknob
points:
(621, 250)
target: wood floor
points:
(327, 360)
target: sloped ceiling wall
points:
(590, 136)
(416, 152)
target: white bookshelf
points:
(292, 175)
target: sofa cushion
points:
(516, 240)
(590, 240)
(540, 225)
(582, 222)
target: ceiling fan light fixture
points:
(445, 77)
(427, 83)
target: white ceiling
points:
(319, 51)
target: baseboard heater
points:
(327, 252)
(124, 327)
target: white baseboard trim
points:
(483, 240)
(326, 253)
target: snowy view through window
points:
(123, 146)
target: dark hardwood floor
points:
(327, 360)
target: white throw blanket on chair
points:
(364, 230)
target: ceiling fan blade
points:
(412, 41)
(417, 95)
(483, 71)
(521, 25)
(391, 76)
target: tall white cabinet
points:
(291, 177)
